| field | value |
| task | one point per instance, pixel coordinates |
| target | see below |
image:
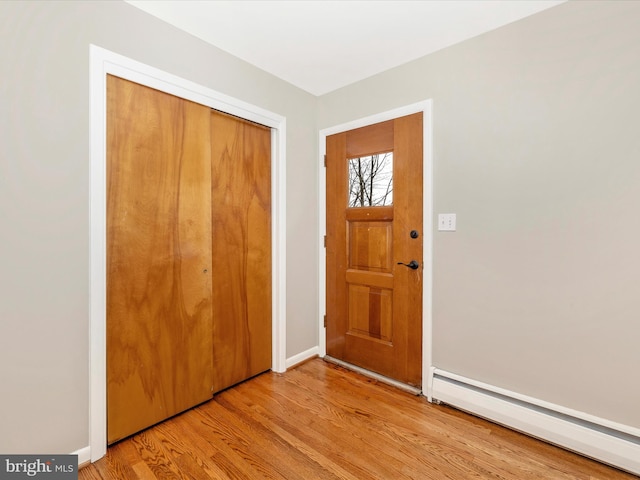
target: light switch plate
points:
(447, 222)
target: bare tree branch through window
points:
(371, 180)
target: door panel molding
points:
(426, 108)
(104, 62)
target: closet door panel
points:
(159, 331)
(241, 240)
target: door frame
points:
(425, 107)
(103, 62)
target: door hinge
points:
(325, 241)
(325, 160)
(325, 321)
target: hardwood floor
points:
(320, 421)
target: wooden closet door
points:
(241, 239)
(159, 328)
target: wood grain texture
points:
(370, 246)
(407, 299)
(336, 247)
(369, 140)
(380, 330)
(158, 256)
(241, 242)
(320, 421)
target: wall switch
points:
(447, 222)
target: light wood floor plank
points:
(320, 421)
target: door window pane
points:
(371, 180)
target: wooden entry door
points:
(374, 248)
(188, 254)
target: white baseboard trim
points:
(84, 455)
(302, 356)
(576, 431)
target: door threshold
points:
(376, 376)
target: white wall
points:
(44, 199)
(537, 149)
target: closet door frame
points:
(102, 63)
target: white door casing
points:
(425, 107)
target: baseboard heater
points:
(600, 439)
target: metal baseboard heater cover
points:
(594, 437)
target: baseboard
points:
(302, 357)
(594, 438)
(84, 456)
